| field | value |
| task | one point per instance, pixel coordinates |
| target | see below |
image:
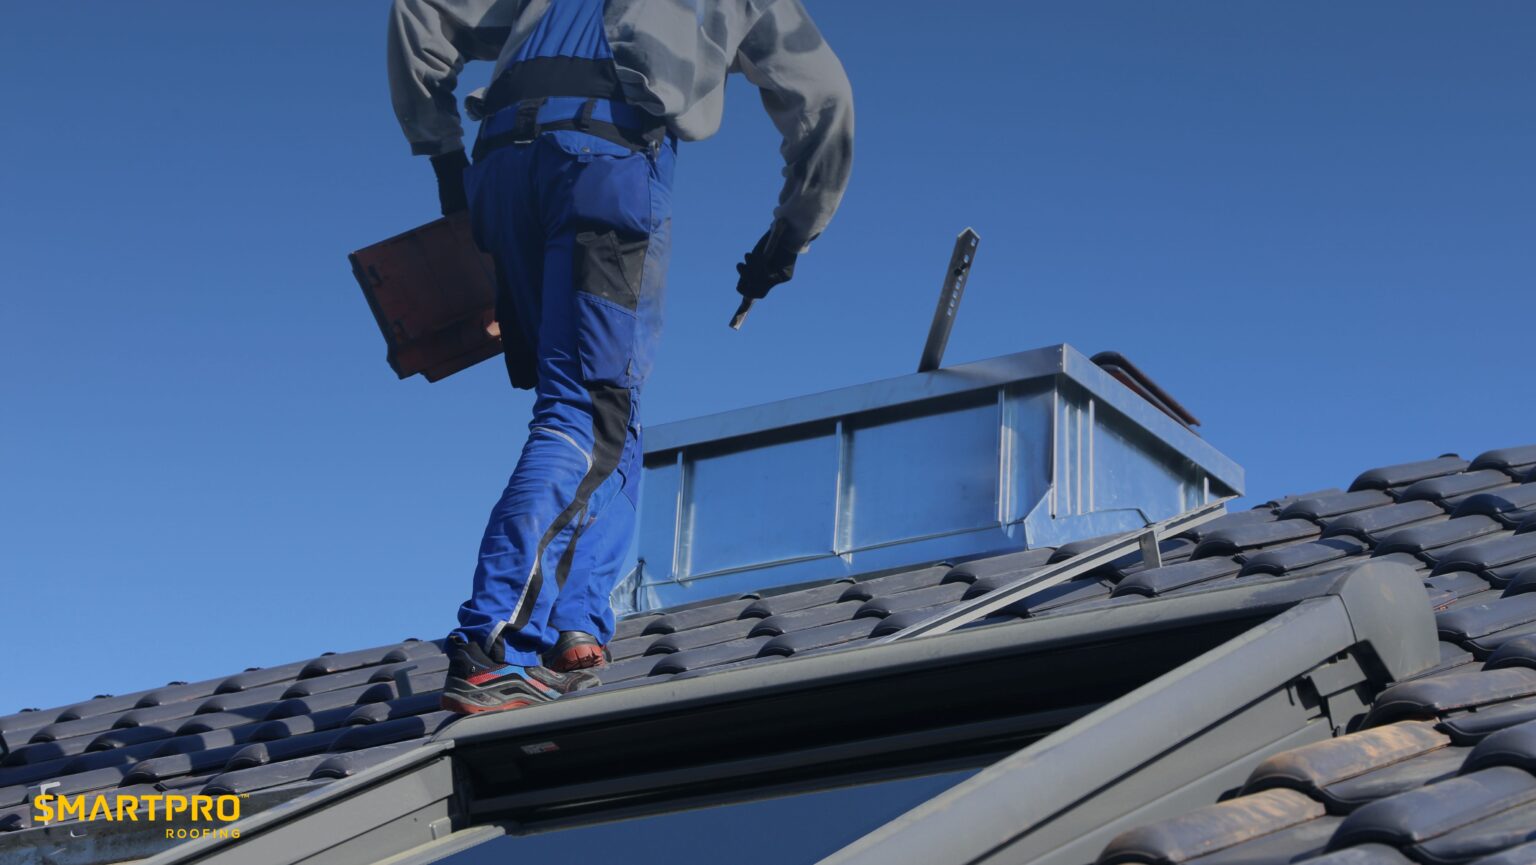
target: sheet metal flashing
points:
(1031, 449)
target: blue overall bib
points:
(579, 227)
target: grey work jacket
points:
(671, 58)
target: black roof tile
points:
(1172, 550)
(337, 662)
(1524, 854)
(1453, 659)
(630, 647)
(1322, 508)
(1006, 564)
(1365, 854)
(178, 693)
(1480, 838)
(1349, 794)
(298, 725)
(1512, 460)
(639, 666)
(1083, 606)
(255, 677)
(905, 581)
(1469, 728)
(710, 656)
(1439, 695)
(1289, 559)
(1156, 581)
(1511, 505)
(708, 635)
(347, 764)
(887, 604)
(1233, 521)
(1061, 595)
(1451, 487)
(1375, 524)
(1421, 815)
(904, 619)
(1486, 555)
(1283, 502)
(1313, 769)
(1515, 652)
(244, 781)
(801, 599)
(819, 637)
(1512, 746)
(362, 736)
(1403, 474)
(1238, 539)
(1212, 829)
(1082, 545)
(1521, 581)
(698, 617)
(799, 620)
(1293, 843)
(1481, 628)
(1460, 583)
(633, 626)
(1428, 536)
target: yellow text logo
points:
(149, 808)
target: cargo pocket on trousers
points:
(608, 275)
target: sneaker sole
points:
(585, 657)
(463, 698)
(459, 707)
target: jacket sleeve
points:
(429, 42)
(808, 96)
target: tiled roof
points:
(1443, 768)
(1468, 528)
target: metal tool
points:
(960, 262)
(741, 312)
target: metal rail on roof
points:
(969, 611)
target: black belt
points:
(526, 126)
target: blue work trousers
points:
(579, 228)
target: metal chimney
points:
(1031, 449)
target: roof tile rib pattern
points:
(1460, 738)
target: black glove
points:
(449, 168)
(770, 263)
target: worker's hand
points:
(449, 168)
(770, 263)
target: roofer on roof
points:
(570, 193)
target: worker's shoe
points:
(479, 683)
(575, 650)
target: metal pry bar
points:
(960, 262)
(983, 605)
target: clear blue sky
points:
(1313, 222)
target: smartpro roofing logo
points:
(167, 808)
